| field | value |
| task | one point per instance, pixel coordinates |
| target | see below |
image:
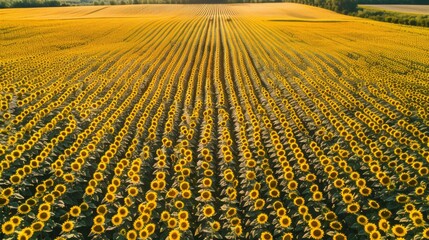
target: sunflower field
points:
(237, 121)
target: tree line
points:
(393, 1)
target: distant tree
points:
(412, 21)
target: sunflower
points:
(97, 229)
(384, 225)
(7, 192)
(215, 226)
(102, 209)
(235, 221)
(138, 224)
(238, 230)
(317, 233)
(23, 236)
(117, 220)
(287, 236)
(179, 204)
(375, 235)
(330, 216)
(143, 234)
(317, 196)
(99, 219)
(384, 213)
(259, 204)
(426, 233)
(314, 223)
(365, 191)
(399, 230)
(165, 215)
(151, 196)
(336, 225)
(174, 235)
(373, 204)
(303, 210)
(418, 222)
(89, 190)
(109, 197)
(370, 227)
(362, 219)
(150, 228)
(205, 195)
(15, 220)
(348, 198)
(8, 228)
(131, 235)
(292, 185)
(172, 222)
(133, 191)
(37, 226)
(172, 193)
(122, 211)
(43, 216)
(15, 179)
(409, 207)
(45, 207)
(231, 212)
(339, 236)
(262, 218)
(266, 236)
(75, 211)
(183, 225)
(353, 208)
(285, 221)
(67, 226)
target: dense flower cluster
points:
(212, 124)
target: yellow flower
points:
(183, 225)
(37, 226)
(314, 223)
(122, 211)
(317, 233)
(336, 225)
(285, 221)
(172, 222)
(339, 236)
(426, 233)
(262, 218)
(399, 230)
(75, 211)
(8, 228)
(102, 209)
(370, 227)
(208, 211)
(384, 213)
(174, 235)
(259, 204)
(266, 236)
(131, 235)
(384, 225)
(215, 226)
(67, 226)
(116, 220)
(43, 216)
(97, 229)
(287, 236)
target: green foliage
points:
(342, 6)
(394, 17)
(392, 1)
